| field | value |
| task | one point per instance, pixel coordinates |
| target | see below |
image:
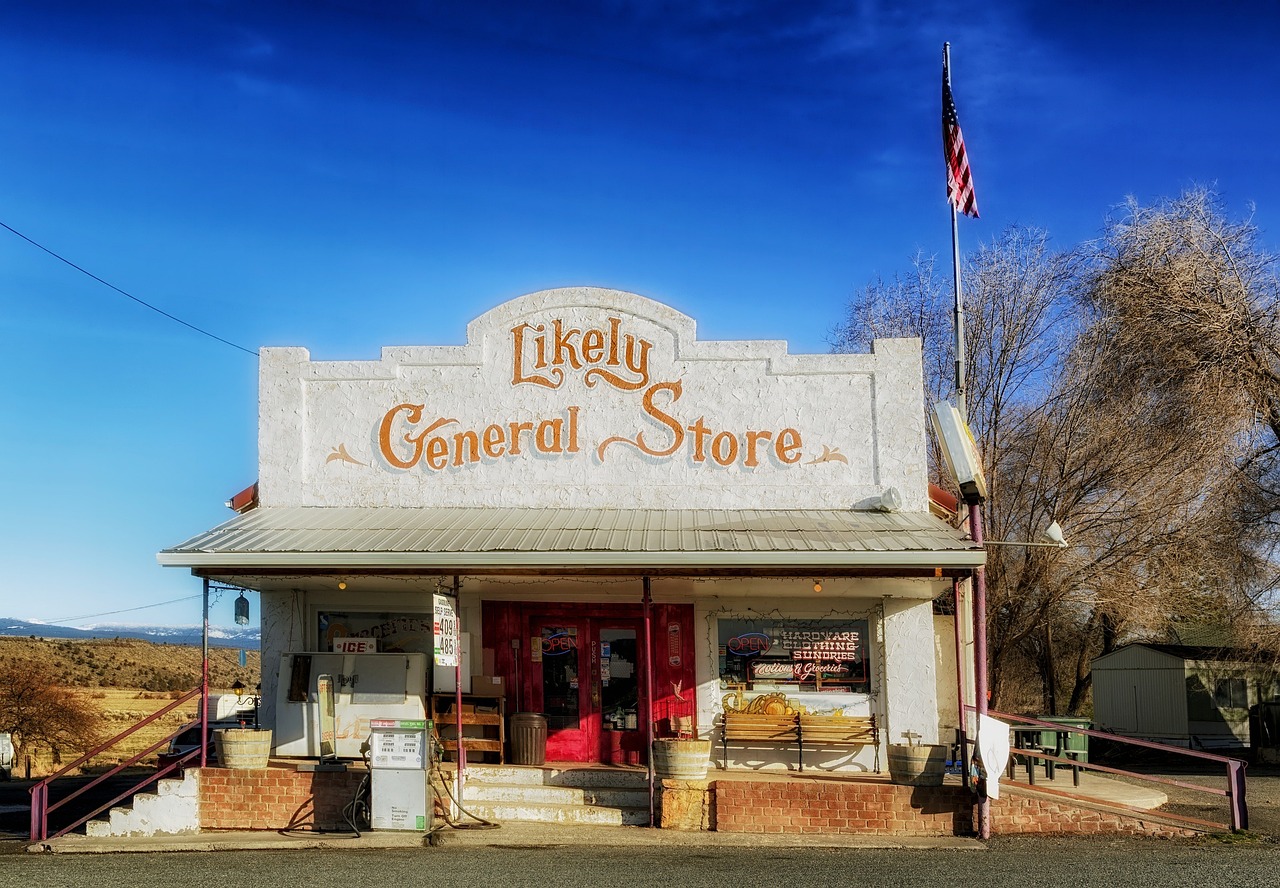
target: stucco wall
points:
(687, 424)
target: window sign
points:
(393, 633)
(445, 631)
(805, 655)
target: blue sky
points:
(344, 176)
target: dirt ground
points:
(1262, 794)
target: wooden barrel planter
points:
(681, 759)
(923, 765)
(243, 749)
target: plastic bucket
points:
(528, 738)
(243, 749)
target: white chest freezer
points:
(366, 686)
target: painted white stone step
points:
(583, 777)
(171, 810)
(576, 814)
(607, 797)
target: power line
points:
(141, 302)
(125, 610)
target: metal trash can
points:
(1075, 746)
(528, 738)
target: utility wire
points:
(125, 610)
(128, 295)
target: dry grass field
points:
(126, 680)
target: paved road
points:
(1044, 863)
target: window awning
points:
(325, 539)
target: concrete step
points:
(633, 778)
(584, 815)
(608, 797)
(172, 809)
(551, 794)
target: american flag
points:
(959, 178)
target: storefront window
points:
(560, 691)
(795, 655)
(395, 633)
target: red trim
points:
(944, 500)
(245, 500)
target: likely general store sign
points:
(546, 354)
(593, 399)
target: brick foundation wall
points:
(275, 798)
(887, 809)
(1019, 814)
(833, 807)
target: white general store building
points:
(584, 446)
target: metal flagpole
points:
(955, 266)
(958, 172)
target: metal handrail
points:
(40, 807)
(1235, 768)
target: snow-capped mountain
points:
(222, 636)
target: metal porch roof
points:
(514, 538)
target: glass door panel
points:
(561, 684)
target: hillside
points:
(131, 663)
(237, 637)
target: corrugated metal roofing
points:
(315, 536)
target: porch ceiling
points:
(470, 540)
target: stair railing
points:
(40, 806)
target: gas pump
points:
(400, 757)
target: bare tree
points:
(1192, 302)
(1097, 403)
(41, 714)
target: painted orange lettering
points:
(494, 441)
(472, 447)
(518, 374)
(437, 452)
(516, 429)
(413, 413)
(564, 350)
(548, 437)
(700, 432)
(592, 346)
(787, 443)
(752, 439)
(652, 410)
(724, 448)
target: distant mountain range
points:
(246, 637)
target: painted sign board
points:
(589, 398)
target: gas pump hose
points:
(439, 774)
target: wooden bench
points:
(798, 729)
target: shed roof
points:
(577, 539)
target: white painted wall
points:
(857, 420)
(909, 672)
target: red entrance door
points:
(586, 678)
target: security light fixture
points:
(1051, 536)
